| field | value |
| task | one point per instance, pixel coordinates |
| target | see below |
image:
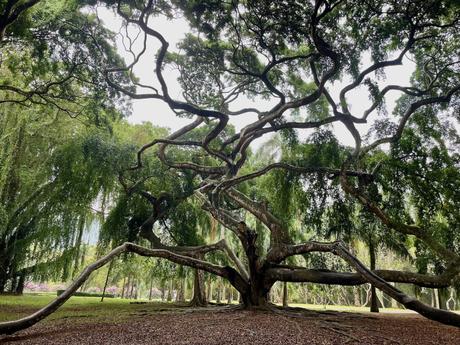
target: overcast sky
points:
(159, 114)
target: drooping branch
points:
(443, 316)
(10, 327)
(340, 250)
(415, 230)
(409, 112)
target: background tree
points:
(292, 54)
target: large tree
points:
(53, 56)
(302, 60)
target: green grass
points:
(87, 308)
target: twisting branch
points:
(322, 276)
(337, 248)
(444, 316)
(10, 327)
(417, 231)
(409, 112)
(330, 172)
(279, 234)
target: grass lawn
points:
(112, 309)
(85, 320)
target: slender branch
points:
(417, 231)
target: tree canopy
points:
(298, 64)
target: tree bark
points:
(170, 288)
(230, 295)
(163, 290)
(199, 294)
(180, 297)
(218, 297)
(106, 280)
(209, 291)
(150, 289)
(123, 288)
(374, 301)
(285, 295)
(131, 291)
(356, 296)
(21, 283)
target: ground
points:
(87, 321)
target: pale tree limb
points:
(443, 316)
(337, 248)
(10, 327)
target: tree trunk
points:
(435, 298)
(163, 290)
(180, 297)
(443, 296)
(218, 293)
(3, 266)
(209, 291)
(106, 280)
(14, 281)
(199, 294)
(21, 283)
(374, 300)
(123, 288)
(170, 291)
(285, 295)
(356, 296)
(150, 290)
(131, 289)
(230, 295)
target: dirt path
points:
(242, 327)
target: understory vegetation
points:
(305, 173)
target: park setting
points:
(230, 172)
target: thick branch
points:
(10, 327)
(278, 232)
(300, 274)
(443, 316)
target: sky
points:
(159, 114)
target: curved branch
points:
(417, 231)
(303, 170)
(443, 316)
(279, 234)
(409, 112)
(300, 274)
(337, 248)
(10, 327)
